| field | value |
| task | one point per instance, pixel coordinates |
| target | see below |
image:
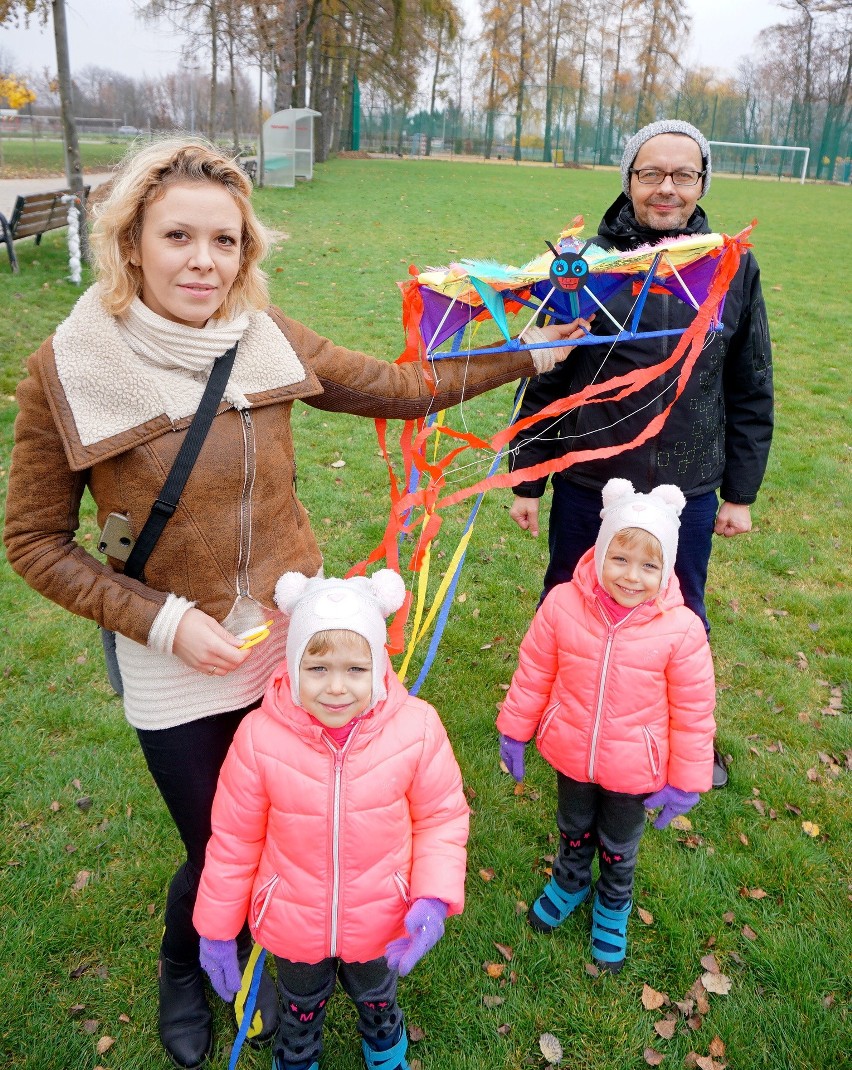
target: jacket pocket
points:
(262, 899)
(549, 714)
(652, 749)
(403, 887)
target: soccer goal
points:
(742, 158)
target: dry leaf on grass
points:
(487, 874)
(652, 1057)
(104, 1044)
(717, 983)
(415, 1034)
(505, 951)
(810, 829)
(749, 933)
(645, 916)
(551, 1049)
(339, 463)
(729, 917)
(504, 1029)
(652, 1000)
(710, 964)
(591, 969)
(681, 823)
(753, 893)
(81, 880)
(666, 1028)
(494, 969)
(717, 1047)
(492, 1001)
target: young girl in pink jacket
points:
(339, 826)
(615, 680)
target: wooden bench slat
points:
(33, 215)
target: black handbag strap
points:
(167, 502)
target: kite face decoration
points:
(568, 273)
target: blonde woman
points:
(106, 405)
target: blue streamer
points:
(248, 1010)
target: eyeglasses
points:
(653, 176)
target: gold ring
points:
(211, 672)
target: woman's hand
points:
(545, 360)
(203, 644)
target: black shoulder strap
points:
(165, 505)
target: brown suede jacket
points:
(239, 524)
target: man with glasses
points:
(717, 436)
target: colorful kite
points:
(574, 279)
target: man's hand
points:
(524, 512)
(732, 519)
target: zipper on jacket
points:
(250, 472)
(338, 753)
(266, 892)
(649, 746)
(610, 637)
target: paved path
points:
(10, 188)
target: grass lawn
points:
(37, 157)
(87, 848)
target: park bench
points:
(33, 215)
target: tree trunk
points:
(214, 67)
(435, 74)
(581, 93)
(73, 164)
(519, 109)
(285, 66)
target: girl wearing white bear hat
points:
(339, 825)
(615, 680)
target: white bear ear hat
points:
(656, 512)
(357, 605)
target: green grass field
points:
(82, 882)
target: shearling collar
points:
(108, 389)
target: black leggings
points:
(185, 762)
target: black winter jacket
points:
(719, 431)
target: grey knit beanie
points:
(664, 126)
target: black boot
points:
(185, 1020)
(267, 998)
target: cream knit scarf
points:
(179, 358)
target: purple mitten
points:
(219, 959)
(512, 755)
(425, 924)
(673, 801)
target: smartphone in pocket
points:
(116, 539)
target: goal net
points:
(766, 161)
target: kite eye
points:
(559, 267)
(579, 267)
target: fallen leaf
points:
(494, 969)
(685, 1006)
(551, 1049)
(681, 823)
(505, 951)
(415, 1034)
(462, 597)
(81, 880)
(591, 969)
(666, 1028)
(77, 1009)
(729, 917)
(793, 809)
(810, 829)
(84, 804)
(493, 1001)
(124, 1018)
(646, 916)
(710, 964)
(753, 893)
(55, 807)
(694, 1022)
(90, 1026)
(801, 661)
(104, 1044)
(487, 874)
(504, 1029)
(749, 933)
(717, 983)
(652, 1000)
(717, 1048)
(744, 839)
(652, 1057)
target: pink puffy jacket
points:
(627, 706)
(323, 849)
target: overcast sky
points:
(106, 33)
